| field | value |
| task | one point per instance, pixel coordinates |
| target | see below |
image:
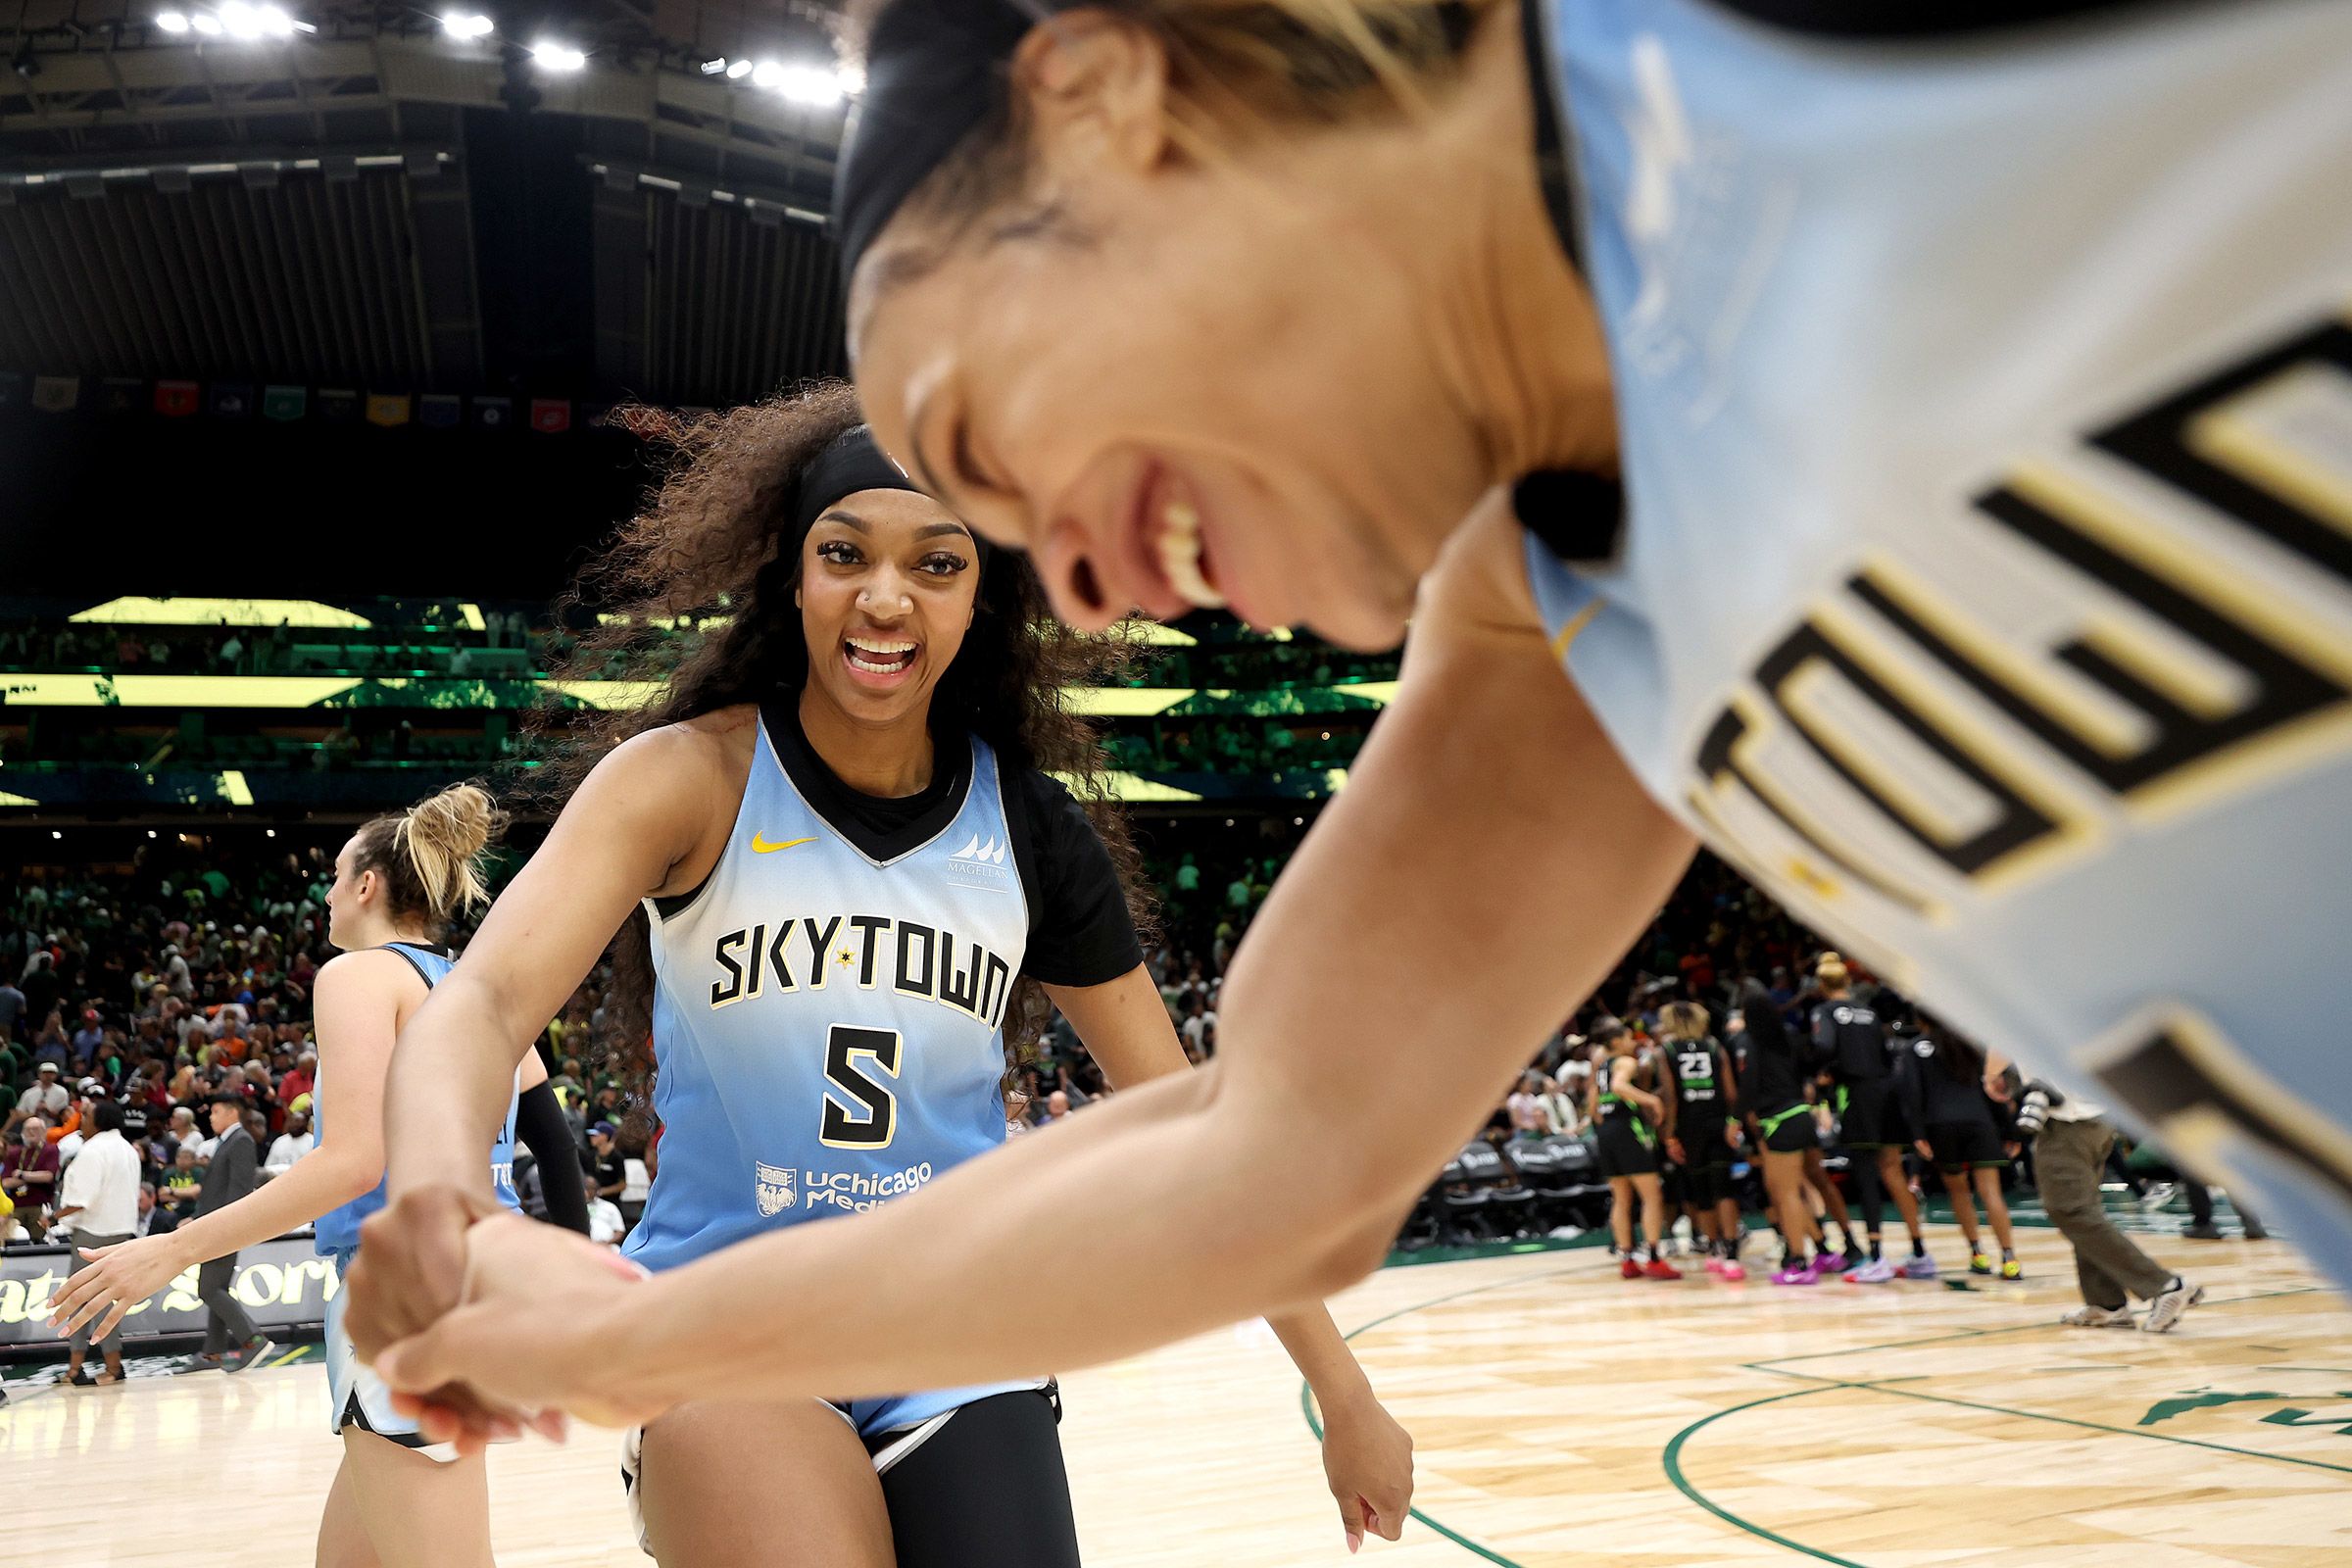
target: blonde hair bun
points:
(444, 837)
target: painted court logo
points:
(775, 1189)
(980, 865)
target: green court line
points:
(1307, 1398)
(1672, 1457)
(1672, 1454)
(2090, 1426)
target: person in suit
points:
(233, 1172)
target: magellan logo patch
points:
(776, 1191)
(981, 863)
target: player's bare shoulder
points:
(672, 790)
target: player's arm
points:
(1413, 956)
(1622, 1072)
(360, 994)
(640, 821)
(1369, 1457)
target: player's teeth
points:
(1180, 556)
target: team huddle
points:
(1957, 548)
(1671, 1124)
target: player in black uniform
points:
(1702, 1102)
(1850, 1039)
(1942, 1081)
(1622, 1114)
(1780, 1122)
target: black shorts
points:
(1966, 1146)
(1707, 1168)
(1628, 1147)
(1870, 1117)
(1789, 1131)
(985, 1488)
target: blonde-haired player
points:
(399, 882)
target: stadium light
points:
(711, 68)
(54, 834)
(465, 25)
(171, 21)
(240, 20)
(817, 85)
(559, 56)
(206, 22)
(151, 832)
(736, 70)
(269, 832)
(767, 73)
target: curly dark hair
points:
(711, 559)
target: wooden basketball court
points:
(1562, 1415)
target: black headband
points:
(933, 71)
(850, 462)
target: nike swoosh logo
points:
(760, 845)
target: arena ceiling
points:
(350, 196)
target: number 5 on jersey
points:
(870, 1117)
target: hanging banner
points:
(56, 394)
(387, 409)
(338, 407)
(439, 411)
(493, 413)
(177, 400)
(231, 399)
(122, 394)
(551, 415)
(286, 402)
(13, 387)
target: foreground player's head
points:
(1174, 293)
(410, 873)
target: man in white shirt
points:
(289, 1145)
(605, 1227)
(48, 1096)
(100, 1200)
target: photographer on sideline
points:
(2072, 1138)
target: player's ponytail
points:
(431, 855)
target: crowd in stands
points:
(185, 977)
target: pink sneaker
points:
(1796, 1274)
(1731, 1270)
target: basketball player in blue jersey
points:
(1916, 464)
(399, 881)
(835, 843)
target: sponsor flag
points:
(387, 409)
(177, 400)
(12, 388)
(551, 415)
(56, 394)
(232, 399)
(439, 411)
(123, 394)
(493, 413)
(338, 407)
(286, 402)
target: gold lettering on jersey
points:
(2190, 669)
(910, 958)
(2210, 1102)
